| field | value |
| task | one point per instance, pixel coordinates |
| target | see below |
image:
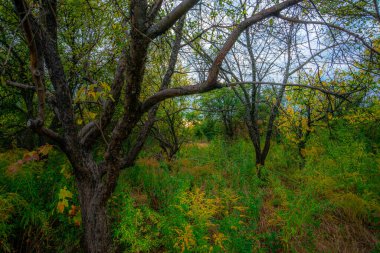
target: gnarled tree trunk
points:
(94, 217)
(94, 189)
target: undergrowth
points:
(208, 199)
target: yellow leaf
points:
(45, 149)
(61, 205)
(79, 121)
(77, 219)
(92, 115)
(64, 193)
(31, 156)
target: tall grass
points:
(209, 199)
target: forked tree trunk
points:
(260, 160)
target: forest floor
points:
(208, 199)
(214, 200)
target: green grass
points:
(209, 199)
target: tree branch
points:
(340, 95)
(377, 11)
(356, 36)
(34, 40)
(37, 126)
(153, 10)
(164, 24)
(211, 82)
(89, 131)
(274, 10)
(20, 85)
(132, 154)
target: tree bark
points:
(94, 217)
(94, 192)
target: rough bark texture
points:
(94, 216)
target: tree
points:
(257, 61)
(271, 55)
(305, 110)
(119, 106)
(14, 58)
(169, 129)
(222, 106)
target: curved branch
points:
(272, 11)
(164, 24)
(199, 88)
(336, 27)
(37, 126)
(211, 82)
(337, 94)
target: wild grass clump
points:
(331, 198)
(29, 220)
(201, 202)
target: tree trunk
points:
(94, 191)
(94, 217)
(260, 162)
(301, 147)
(254, 135)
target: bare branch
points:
(312, 57)
(337, 94)
(377, 11)
(356, 36)
(211, 82)
(274, 10)
(20, 85)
